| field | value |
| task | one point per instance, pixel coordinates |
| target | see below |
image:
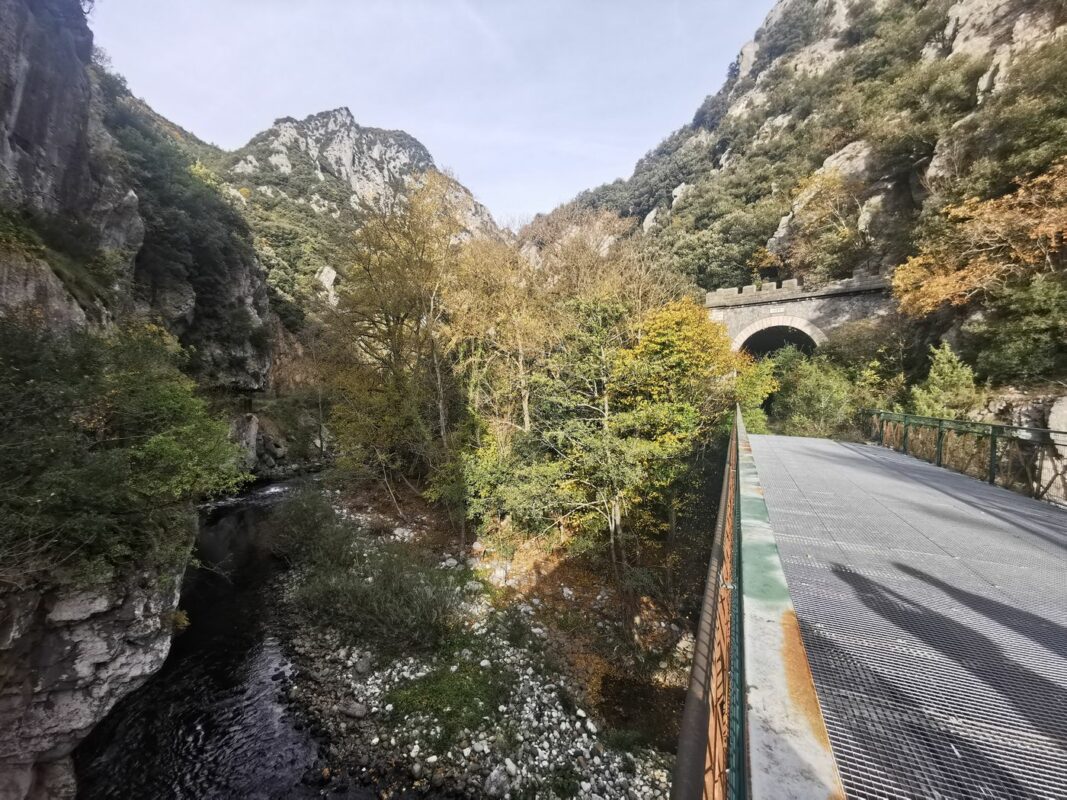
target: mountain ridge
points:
(914, 85)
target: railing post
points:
(992, 454)
(905, 434)
(940, 440)
(881, 430)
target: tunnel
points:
(767, 340)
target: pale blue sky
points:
(527, 102)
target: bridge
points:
(877, 625)
(763, 318)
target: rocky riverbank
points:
(492, 712)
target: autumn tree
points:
(389, 375)
(677, 386)
(980, 246)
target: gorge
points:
(518, 428)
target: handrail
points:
(700, 768)
(1032, 461)
(748, 731)
(1022, 432)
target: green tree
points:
(104, 445)
(814, 397)
(948, 390)
(1021, 335)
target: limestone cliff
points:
(330, 162)
(66, 657)
(51, 148)
(45, 49)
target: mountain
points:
(304, 186)
(844, 128)
(108, 209)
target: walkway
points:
(934, 612)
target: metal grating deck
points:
(934, 612)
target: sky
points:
(527, 103)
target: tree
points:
(677, 387)
(1021, 333)
(815, 396)
(620, 408)
(948, 390)
(391, 383)
(502, 317)
(984, 245)
(104, 445)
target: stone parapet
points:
(794, 289)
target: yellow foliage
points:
(986, 243)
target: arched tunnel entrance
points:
(766, 341)
(764, 338)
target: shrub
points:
(389, 594)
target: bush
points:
(389, 594)
(103, 444)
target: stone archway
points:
(779, 321)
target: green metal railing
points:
(1032, 461)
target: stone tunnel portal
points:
(769, 340)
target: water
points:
(211, 723)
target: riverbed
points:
(213, 722)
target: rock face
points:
(333, 165)
(27, 282)
(66, 657)
(45, 47)
(45, 150)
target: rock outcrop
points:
(333, 165)
(66, 657)
(45, 48)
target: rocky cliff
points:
(871, 112)
(45, 50)
(66, 657)
(319, 176)
(330, 162)
(51, 151)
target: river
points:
(213, 722)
